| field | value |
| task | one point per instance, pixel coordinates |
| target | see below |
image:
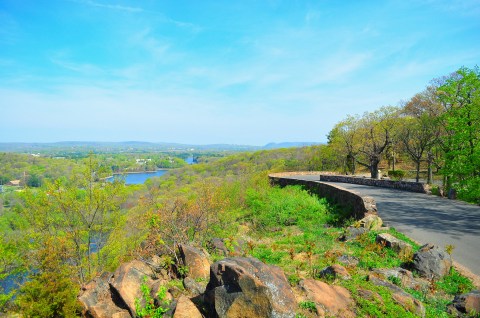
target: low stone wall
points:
(401, 185)
(358, 205)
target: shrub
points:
(396, 174)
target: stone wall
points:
(401, 185)
(358, 205)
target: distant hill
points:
(274, 145)
(133, 146)
(124, 146)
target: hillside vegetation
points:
(72, 225)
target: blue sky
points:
(238, 72)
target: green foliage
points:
(308, 305)
(294, 280)
(454, 283)
(145, 307)
(460, 96)
(49, 290)
(284, 207)
(397, 174)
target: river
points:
(141, 177)
(137, 177)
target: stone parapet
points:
(392, 184)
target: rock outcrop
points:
(186, 309)
(246, 287)
(431, 262)
(128, 278)
(330, 301)
(195, 260)
(99, 302)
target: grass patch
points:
(454, 283)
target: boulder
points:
(431, 262)
(348, 260)
(195, 260)
(246, 287)
(371, 222)
(334, 271)
(352, 233)
(399, 246)
(99, 302)
(186, 309)
(405, 277)
(193, 286)
(330, 301)
(128, 278)
(405, 300)
(468, 304)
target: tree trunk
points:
(374, 167)
(417, 178)
(429, 169)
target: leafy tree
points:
(82, 209)
(459, 94)
(50, 291)
(345, 137)
(418, 135)
(375, 131)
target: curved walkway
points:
(426, 219)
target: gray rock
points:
(348, 260)
(352, 233)
(246, 287)
(193, 286)
(431, 262)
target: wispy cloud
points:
(110, 6)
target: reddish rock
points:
(186, 309)
(468, 304)
(127, 280)
(195, 260)
(333, 301)
(246, 287)
(99, 302)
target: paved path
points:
(427, 219)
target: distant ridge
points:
(274, 145)
(135, 146)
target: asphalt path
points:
(427, 219)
